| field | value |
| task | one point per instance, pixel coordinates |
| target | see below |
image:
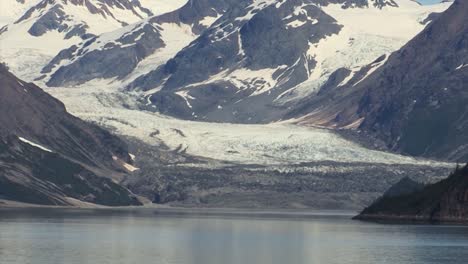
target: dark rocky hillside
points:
(404, 187)
(48, 156)
(445, 201)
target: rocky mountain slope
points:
(445, 201)
(48, 156)
(415, 102)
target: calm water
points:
(148, 236)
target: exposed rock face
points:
(48, 155)
(445, 201)
(417, 101)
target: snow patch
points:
(130, 168)
(347, 79)
(35, 144)
(186, 96)
(299, 11)
(209, 20)
(258, 5)
(463, 65)
(373, 68)
(127, 166)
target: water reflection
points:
(145, 236)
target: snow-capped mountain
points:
(254, 61)
(49, 26)
(146, 44)
(241, 61)
(416, 102)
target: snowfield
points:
(272, 144)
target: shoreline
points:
(169, 211)
(409, 219)
(163, 210)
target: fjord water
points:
(50, 236)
